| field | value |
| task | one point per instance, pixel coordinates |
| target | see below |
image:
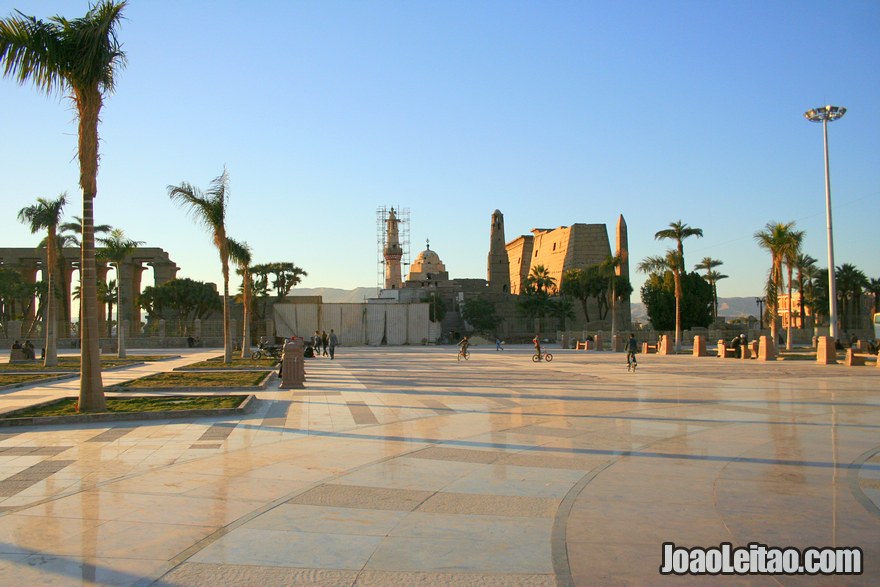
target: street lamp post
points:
(826, 114)
(760, 302)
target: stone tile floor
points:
(402, 466)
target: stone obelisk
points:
(498, 272)
(624, 308)
(392, 252)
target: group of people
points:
(27, 348)
(324, 344)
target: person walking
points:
(333, 341)
(325, 340)
(499, 344)
(316, 342)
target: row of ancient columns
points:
(28, 264)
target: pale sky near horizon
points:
(553, 112)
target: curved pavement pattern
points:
(402, 466)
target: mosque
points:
(508, 266)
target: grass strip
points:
(200, 379)
(237, 363)
(72, 364)
(18, 378)
(67, 406)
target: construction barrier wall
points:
(358, 324)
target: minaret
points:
(392, 253)
(624, 314)
(498, 274)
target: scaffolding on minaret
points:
(403, 239)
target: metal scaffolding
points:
(403, 236)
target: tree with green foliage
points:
(851, 283)
(708, 264)
(116, 248)
(777, 239)
(17, 296)
(806, 266)
(209, 209)
(185, 298)
(80, 56)
(658, 295)
(482, 314)
(576, 285)
(670, 263)
(46, 215)
(436, 308)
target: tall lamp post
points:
(826, 114)
(760, 302)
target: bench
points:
(854, 360)
(581, 346)
(648, 348)
(18, 356)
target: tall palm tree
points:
(541, 280)
(708, 264)
(775, 238)
(805, 265)
(851, 282)
(116, 248)
(608, 267)
(240, 253)
(45, 215)
(209, 209)
(79, 56)
(790, 256)
(669, 262)
(678, 231)
(873, 288)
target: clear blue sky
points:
(553, 112)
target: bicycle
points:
(536, 358)
(464, 354)
(631, 362)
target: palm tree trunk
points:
(788, 329)
(91, 393)
(227, 348)
(51, 354)
(677, 276)
(120, 325)
(246, 315)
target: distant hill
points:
(727, 307)
(332, 295)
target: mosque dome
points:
(427, 267)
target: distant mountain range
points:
(729, 307)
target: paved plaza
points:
(402, 466)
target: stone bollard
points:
(597, 342)
(617, 343)
(700, 346)
(766, 350)
(664, 347)
(563, 341)
(745, 351)
(722, 348)
(753, 346)
(826, 354)
(293, 372)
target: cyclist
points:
(632, 348)
(463, 351)
(537, 343)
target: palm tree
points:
(116, 249)
(873, 288)
(774, 238)
(46, 214)
(541, 280)
(108, 294)
(790, 256)
(608, 267)
(209, 209)
(708, 264)
(240, 253)
(851, 281)
(805, 266)
(80, 56)
(670, 262)
(678, 231)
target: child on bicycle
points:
(632, 348)
(537, 343)
(464, 344)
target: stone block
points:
(854, 360)
(825, 352)
(665, 346)
(700, 346)
(766, 349)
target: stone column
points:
(102, 269)
(28, 272)
(163, 272)
(134, 310)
